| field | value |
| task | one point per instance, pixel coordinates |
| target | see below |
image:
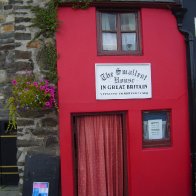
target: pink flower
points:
(51, 91)
(52, 95)
(52, 87)
(28, 83)
(42, 88)
(14, 82)
(48, 104)
(46, 82)
(35, 84)
(51, 99)
(47, 90)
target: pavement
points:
(8, 190)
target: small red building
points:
(123, 98)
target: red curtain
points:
(100, 155)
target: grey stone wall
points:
(38, 130)
(7, 46)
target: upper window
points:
(118, 33)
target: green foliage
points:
(81, 4)
(13, 114)
(49, 58)
(28, 94)
(45, 19)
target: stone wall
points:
(36, 131)
(7, 47)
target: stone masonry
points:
(38, 130)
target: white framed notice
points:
(195, 26)
(123, 81)
(155, 129)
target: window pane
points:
(109, 41)
(128, 22)
(156, 128)
(128, 41)
(108, 22)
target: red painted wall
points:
(153, 171)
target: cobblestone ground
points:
(8, 190)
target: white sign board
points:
(123, 81)
(195, 27)
(155, 129)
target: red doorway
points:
(100, 157)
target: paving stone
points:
(7, 28)
(8, 7)
(20, 65)
(23, 54)
(18, 7)
(25, 122)
(6, 35)
(20, 27)
(3, 76)
(18, 44)
(10, 18)
(22, 19)
(34, 44)
(2, 18)
(22, 36)
(49, 122)
(9, 190)
(7, 41)
(7, 47)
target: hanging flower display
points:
(28, 94)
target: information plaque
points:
(123, 81)
(155, 129)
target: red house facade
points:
(123, 99)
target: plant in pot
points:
(29, 95)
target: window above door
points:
(118, 33)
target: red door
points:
(100, 155)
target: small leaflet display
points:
(155, 129)
(40, 189)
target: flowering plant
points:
(28, 94)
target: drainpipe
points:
(191, 75)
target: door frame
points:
(123, 115)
